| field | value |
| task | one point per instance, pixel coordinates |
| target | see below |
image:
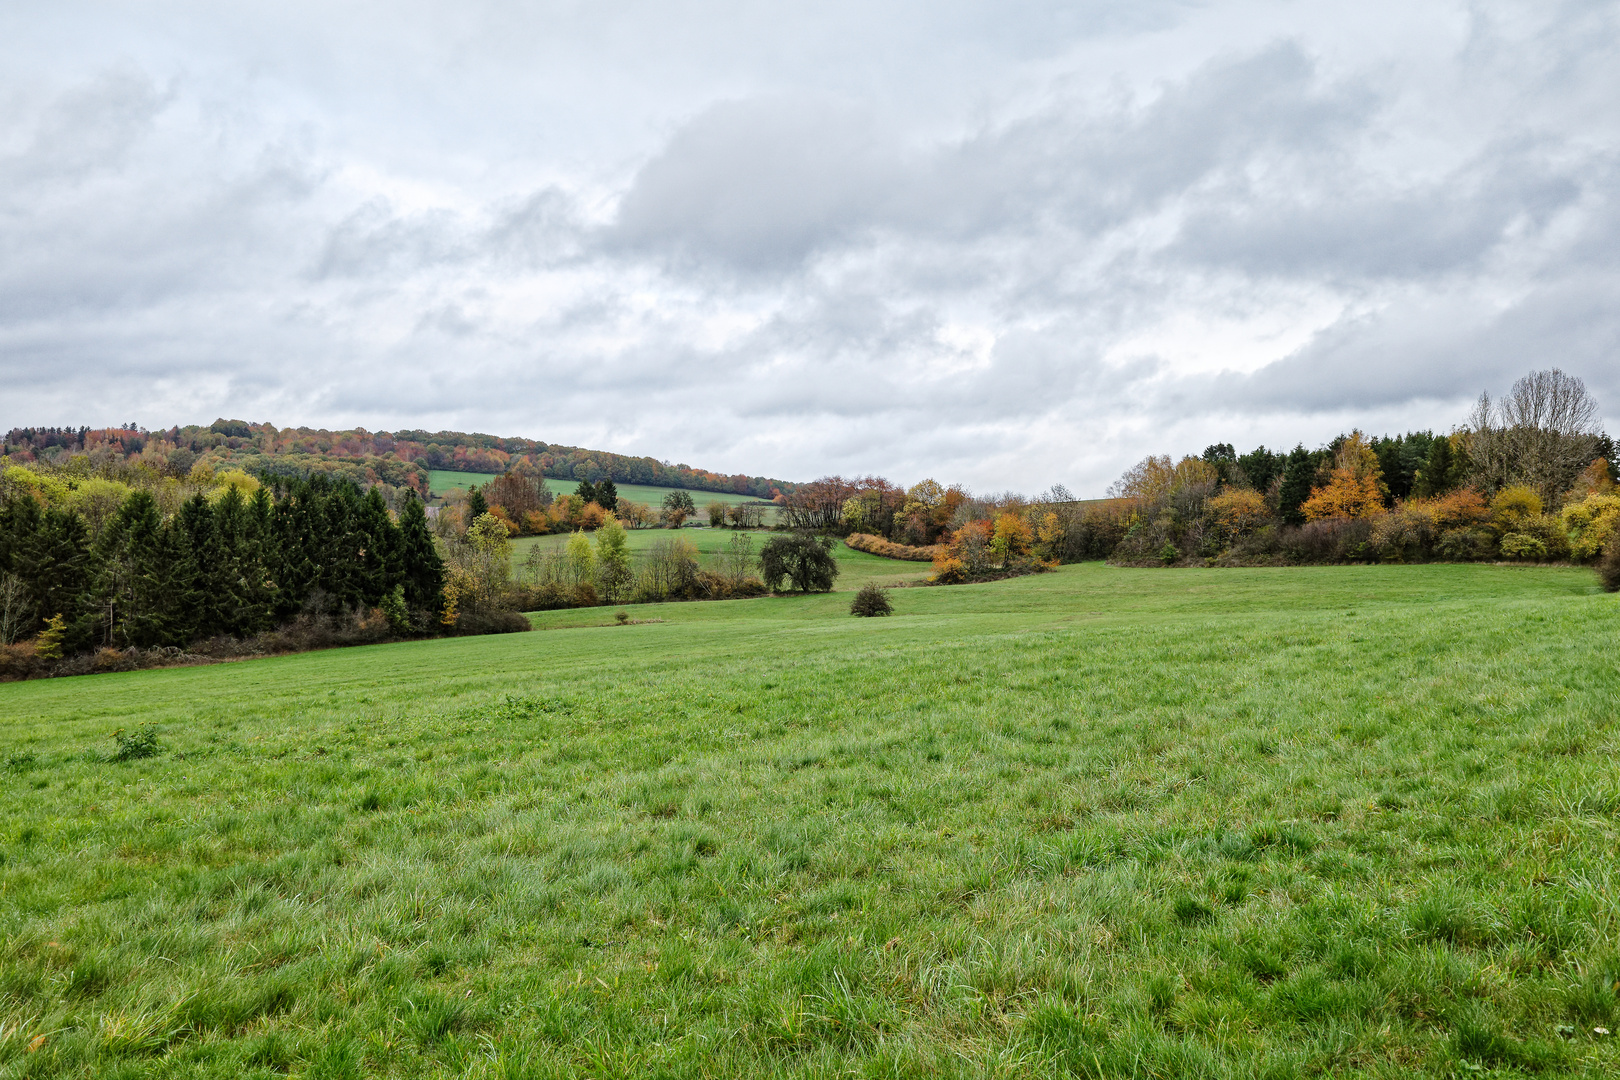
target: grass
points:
(441, 481)
(1348, 821)
(855, 568)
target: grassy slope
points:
(441, 481)
(1170, 823)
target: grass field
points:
(441, 482)
(1343, 821)
(855, 568)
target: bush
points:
(1522, 546)
(870, 601)
(492, 621)
(949, 571)
(1609, 565)
(141, 743)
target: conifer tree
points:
(586, 491)
(383, 566)
(1298, 475)
(607, 495)
(421, 569)
(131, 581)
(477, 505)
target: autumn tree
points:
(1355, 489)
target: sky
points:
(1004, 244)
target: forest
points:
(393, 460)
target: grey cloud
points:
(915, 238)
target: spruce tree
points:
(421, 568)
(1435, 476)
(130, 589)
(383, 568)
(607, 495)
(1298, 476)
(210, 576)
(477, 505)
(586, 491)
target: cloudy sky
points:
(1009, 244)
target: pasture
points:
(441, 482)
(1100, 822)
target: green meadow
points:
(1100, 822)
(441, 482)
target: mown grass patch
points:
(1098, 822)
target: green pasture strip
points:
(442, 481)
(855, 568)
(1100, 822)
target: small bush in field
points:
(1609, 565)
(140, 743)
(870, 601)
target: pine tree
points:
(607, 495)
(586, 491)
(477, 505)
(1434, 478)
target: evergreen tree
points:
(1260, 466)
(1298, 475)
(241, 527)
(1434, 478)
(586, 491)
(383, 569)
(343, 561)
(421, 569)
(477, 505)
(210, 578)
(130, 589)
(607, 495)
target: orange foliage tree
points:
(1356, 488)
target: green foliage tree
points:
(805, 562)
(477, 505)
(612, 560)
(586, 491)
(607, 495)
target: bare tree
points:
(1543, 433)
(15, 615)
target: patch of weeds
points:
(137, 744)
(21, 761)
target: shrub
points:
(1609, 565)
(949, 570)
(1589, 524)
(492, 621)
(1522, 546)
(870, 601)
(141, 743)
(888, 549)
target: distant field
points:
(441, 481)
(1338, 821)
(855, 568)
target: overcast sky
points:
(1009, 244)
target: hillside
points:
(396, 459)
